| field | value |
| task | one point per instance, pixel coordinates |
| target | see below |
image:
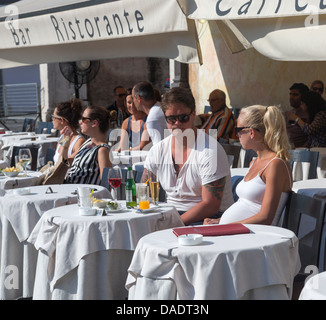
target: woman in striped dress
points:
(94, 154)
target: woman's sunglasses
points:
(181, 118)
(84, 119)
(239, 129)
(55, 117)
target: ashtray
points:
(190, 239)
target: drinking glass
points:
(154, 187)
(25, 158)
(142, 196)
(115, 178)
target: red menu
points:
(213, 230)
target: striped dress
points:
(85, 168)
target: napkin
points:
(213, 230)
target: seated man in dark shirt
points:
(296, 135)
(119, 105)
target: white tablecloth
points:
(314, 288)
(71, 247)
(311, 187)
(128, 158)
(239, 171)
(43, 145)
(18, 216)
(31, 178)
(259, 265)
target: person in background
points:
(222, 120)
(191, 166)
(265, 189)
(133, 128)
(118, 109)
(145, 101)
(68, 114)
(317, 86)
(94, 155)
(296, 135)
(314, 104)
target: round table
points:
(258, 265)
(87, 257)
(311, 187)
(18, 216)
(314, 288)
(31, 178)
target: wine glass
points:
(25, 158)
(115, 178)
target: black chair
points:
(306, 156)
(235, 180)
(305, 216)
(105, 178)
(28, 125)
(249, 155)
(34, 153)
(207, 109)
(49, 155)
(44, 125)
(234, 151)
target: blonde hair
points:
(270, 122)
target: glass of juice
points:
(142, 195)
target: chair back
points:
(28, 125)
(321, 166)
(44, 125)
(207, 109)
(310, 158)
(34, 153)
(305, 216)
(233, 153)
(105, 178)
(249, 155)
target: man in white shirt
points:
(144, 100)
(191, 166)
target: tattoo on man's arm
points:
(216, 187)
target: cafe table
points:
(256, 265)
(87, 257)
(127, 158)
(31, 178)
(314, 288)
(43, 142)
(20, 210)
(311, 187)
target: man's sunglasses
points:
(317, 89)
(181, 118)
(121, 95)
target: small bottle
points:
(130, 189)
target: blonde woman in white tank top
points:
(265, 188)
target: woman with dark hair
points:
(314, 104)
(68, 114)
(94, 155)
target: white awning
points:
(38, 31)
(279, 29)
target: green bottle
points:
(130, 189)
